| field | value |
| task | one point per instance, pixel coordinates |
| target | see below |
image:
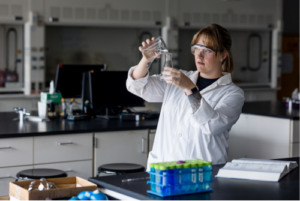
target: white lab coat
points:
(182, 135)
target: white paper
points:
(256, 167)
(290, 164)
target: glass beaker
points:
(154, 49)
(168, 63)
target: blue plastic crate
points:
(179, 182)
(173, 190)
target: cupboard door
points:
(151, 139)
(81, 169)
(8, 175)
(62, 148)
(16, 151)
(262, 137)
(121, 147)
(13, 11)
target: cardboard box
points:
(67, 187)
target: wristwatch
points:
(191, 91)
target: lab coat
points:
(182, 134)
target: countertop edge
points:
(69, 132)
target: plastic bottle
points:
(193, 178)
(171, 176)
(200, 176)
(157, 177)
(152, 176)
(186, 177)
(207, 169)
(164, 170)
(178, 178)
(171, 173)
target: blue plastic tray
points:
(176, 193)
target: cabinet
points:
(151, 139)
(72, 153)
(121, 147)
(106, 12)
(255, 136)
(231, 14)
(15, 152)
(13, 11)
(8, 175)
(60, 148)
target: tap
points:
(22, 112)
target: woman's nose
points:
(200, 54)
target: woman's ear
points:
(224, 55)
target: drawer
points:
(62, 148)
(7, 175)
(16, 151)
(81, 169)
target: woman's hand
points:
(177, 78)
(147, 44)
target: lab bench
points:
(223, 188)
(77, 147)
(265, 130)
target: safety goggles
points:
(204, 51)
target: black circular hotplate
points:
(121, 168)
(41, 173)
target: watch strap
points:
(191, 91)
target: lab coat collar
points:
(224, 80)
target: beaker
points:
(168, 63)
(154, 49)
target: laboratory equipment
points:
(68, 79)
(108, 91)
(11, 75)
(180, 177)
(22, 113)
(11, 55)
(168, 63)
(157, 47)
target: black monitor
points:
(68, 79)
(108, 89)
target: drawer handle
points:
(69, 171)
(143, 145)
(5, 147)
(64, 143)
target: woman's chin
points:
(201, 69)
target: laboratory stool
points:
(120, 168)
(40, 173)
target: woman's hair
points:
(217, 38)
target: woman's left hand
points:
(177, 78)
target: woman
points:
(199, 107)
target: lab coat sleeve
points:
(214, 121)
(150, 88)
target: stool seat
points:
(120, 168)
(41, 173)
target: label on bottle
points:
(179, 177)
(164, 183)
(193, 175)
(200, 175)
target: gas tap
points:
(22, 112)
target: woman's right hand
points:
(147, 44)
